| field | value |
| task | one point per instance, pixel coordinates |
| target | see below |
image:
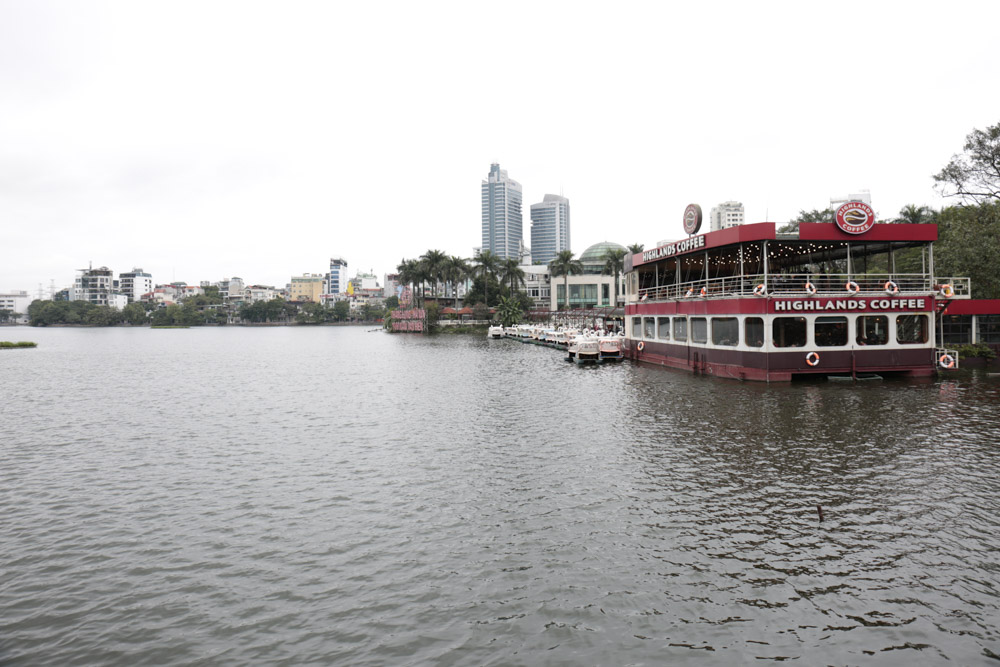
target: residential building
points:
(133, 284)
(592, 288)
(255, 293)
(549, 228)
(337, 278)
(725, 215)
(537, 285)
(99, 287)
(501, 202)
(389, 284)
(307, 287)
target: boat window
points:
(911, 329)
(680, 328)
(789, 331)
(753, 331)
(649, 327)
(663, 327)
(989, 328)
(636, 327)
(699, 330)
(725, 331)
(830, 331)
(873, 330)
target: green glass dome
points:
(595, 253)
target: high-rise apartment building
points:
(501, 196)
(725, 215)
(134, 284)
(549, 228)
(337, 278)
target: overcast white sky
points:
(202, 140)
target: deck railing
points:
(828, 285)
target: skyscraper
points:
(502, 214)
(549, 228)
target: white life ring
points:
(640, 346)
(947, 291)
(760, 290)
(690, 292)
(812, 358)
(947, 361)
(852, 287)
(810, 288)
(891, 287)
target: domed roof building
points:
(593, 257)
(592, 288)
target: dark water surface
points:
(337, 496)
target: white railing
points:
(804, 284)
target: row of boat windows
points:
(829, 331)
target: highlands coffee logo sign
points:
(855, 217)
(692, 218)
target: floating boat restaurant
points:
(847, 298)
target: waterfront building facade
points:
(549, 228)
(538, 285)
(725, 215)
(501, 214)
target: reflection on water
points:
(334, 495)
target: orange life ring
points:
(852, 287)
(640, 346)
(703, 292)
(891, 287)
(810, 288)
(812, 358)
(760, 290)
(947, 361)
(947, 291)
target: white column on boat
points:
(766, 287)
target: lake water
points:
(339, 496)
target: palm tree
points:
(636, 248)
(455, 270)
(614, 262)
(563, 265)
(407, 270)
(914, 215)
(512, 273)
(434, 261)
(485, 265)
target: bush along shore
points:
(7, 345)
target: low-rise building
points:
(14, 302)
(307, 287)
(133, 284)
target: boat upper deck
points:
(815, 259)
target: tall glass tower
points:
(502, 214)
(549, 228)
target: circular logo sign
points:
(692, 219)
(855, 217)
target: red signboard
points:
(855, 217)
